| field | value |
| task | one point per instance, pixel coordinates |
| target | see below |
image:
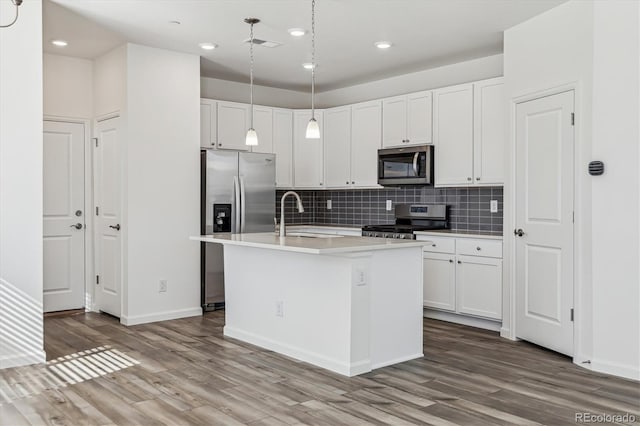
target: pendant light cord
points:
(16, 4)
(251, 75)
(313, 57)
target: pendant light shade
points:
(313, 130)
(252, 137)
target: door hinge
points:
(573, 217)
(96, 141)
(97, 211)
(571, 314)
(573, 118)
(97, 279)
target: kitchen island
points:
(346, 304)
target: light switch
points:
(328, 204)
(494, 206)
(389, 205)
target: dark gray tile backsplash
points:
(469, 207)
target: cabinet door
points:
(489, 121)
(233, 124)
(419, 118)
(439, 281)
(263, 124)
(283, 147)
(453, 135)
(479, 286)
(208, 128)
(366, 137)
(337, 147)
(307, 153)
(394, 121)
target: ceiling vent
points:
(263, 43)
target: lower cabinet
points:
(457, 282)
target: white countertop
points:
(333, 244)
(459, 234)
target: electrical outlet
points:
(389, 205)
(280, 308)
(360, 277)
(328, 204)
(494, 206)
(163, 286)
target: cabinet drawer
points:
(486, 248)
(439, 245)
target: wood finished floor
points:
(188, 373)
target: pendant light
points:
(17, 4)
(313, 130)
(252, 136)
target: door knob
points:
(519, 232)
(117, 227)
(77, 226)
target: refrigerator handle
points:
(242, 206)
(236, 204)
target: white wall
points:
(68, 87)
(448, 75)
(21, 337)
(616, 231)
(163, 184)
(234, 91)
(595, 46)
(110, 82)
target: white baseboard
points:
(160, 316)
(397, 360)
(337, 366)
(18, 360)
(621, 370)
(463, 319)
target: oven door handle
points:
(415, 163)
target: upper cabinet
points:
(366, 140)
(489, 127)
(407, 120)
(337, 147)
(208, 123)
(453, 135)
(233, 122)
(307, 153)
(469, 134)
(283, 146)
(263, 125)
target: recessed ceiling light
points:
(383, 44)
(308, 65)
(297, 32)
(208, 46)
(59, 43)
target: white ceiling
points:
(425, 34)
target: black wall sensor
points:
(596, 168)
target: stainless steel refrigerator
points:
(238, 196)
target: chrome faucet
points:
(283, 231)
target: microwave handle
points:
(415, 163)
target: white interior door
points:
(108, 218)
(544, 221)
(63, 221)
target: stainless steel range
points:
(410, 218)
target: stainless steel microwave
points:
(412, 165)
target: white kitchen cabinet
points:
(453, 135)
(283, 146)
(439, 275)
(479, 286)
(463, 276)
(307, 153)
(208, 123)
(337, 147)
(233, 123)
(366, 139)
(407, 120)
(489, 135)
(263, 125)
